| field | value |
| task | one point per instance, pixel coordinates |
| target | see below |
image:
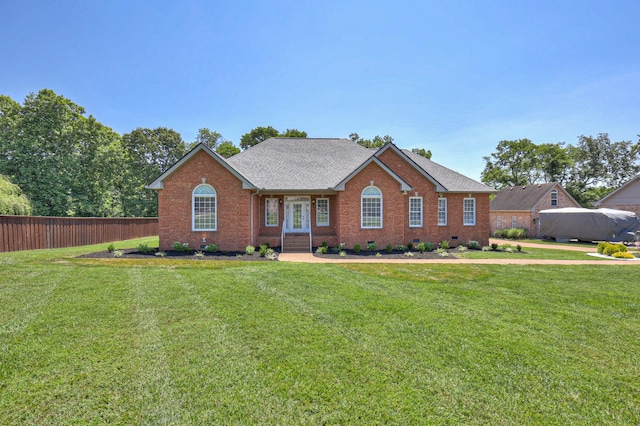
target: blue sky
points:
(454, 77)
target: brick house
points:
(627, 197)
(297, 193)
(519, 206)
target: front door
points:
(297, 214)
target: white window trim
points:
(266, 212)
(499, 222)
(464, 222)
(514, 221)
(318, 200)
(446, 214)
(362, 197)
(193, 207)
(554, 192)
(419, 225)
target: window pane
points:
(442, 211)
(415, 211)
(469, 211)
(322, 211)
(272, 212)
(371, 212)
(204, 212)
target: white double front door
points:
(297, 212)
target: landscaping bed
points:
(134, 253)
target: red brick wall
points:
(175, 209)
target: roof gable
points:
(158, 183)
(525, 198)
(627, 194)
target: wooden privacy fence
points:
(40, 232)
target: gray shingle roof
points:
(299, 163)
(449, 179)
(521, 197)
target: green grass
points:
(190, 342)
(528, 253)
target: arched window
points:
(554, 197)
(371, 212)
(204, 208)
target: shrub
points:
(409, 246)
(428, 246)
(372, 246)
(324, 244)
(199, 254)
(211, 248)
(487, 248)
(442, 252)
(610, 249)
(408, 253)
(145, 249)
(161, 253)
(601, 246)
(182, 247)
(111, 248)
(400, 247)
(444, 244)
(499, 233)
(263, 250)
(356, 248)
(118, 253)
(474, 245)
(271, 254)
(519, 247)
(462, 248)
(494, 246)
(505, 247)
(515, 233)
(378, 254)
(250, 250)
(623, 255)
(343, 253)
(319, 250)
(389, 248)
(324, 249)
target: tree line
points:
(588, 170)
(56, 161)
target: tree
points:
(211, 138)
(257, 135)
(376, 142)
(147, 153)
(423, 152)
(293, 133)
(513, 164)
(227, 149)
(12, 199)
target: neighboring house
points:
(627, 197)
(519, 206)
(297, 193)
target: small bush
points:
(324, 244)
(400, 247)
(111, 248)
(474, 245)
(118, 253)
(389, 248)
(372, 246)
(182, 247)
(343, 253)
(378, 254)
(271, 254)
(211, 248)
(505, 247)
(494, 246)
(161, 253)
(519, 248)
(408, 253)
(324, 249)
(444, 244)
(429, 246)
(263, 250)
(610, 249)
(462, 248)
(356, 248)
(250, 250)
(409, 246)
(499, 233)
(601, 246)
(623, 255)
(487, 248)
(515, 233)
(442, 252)
(199, 254)
(145, 249)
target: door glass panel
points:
(297, 216)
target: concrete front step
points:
(296, 244)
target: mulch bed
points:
(364, 254)
(135, 254)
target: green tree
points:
(423, 152)
(147, 153)
(376, 142)
(293, 133)
(12, 199)
(257, 135)
(211, 138)
(513, 164)
(227, 149)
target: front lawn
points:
(164, 341)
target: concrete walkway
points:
(310, 258)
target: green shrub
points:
(444, 244)
(271, 254)
(623, 255)
(145, 249)
(378, 254)
(389, 248)
(182, 247)
(250, 250)
(494, 246)
(409, 246)
(515, 233)
(462, 248)
(356, 248)
(211, 248)
(199, 254)
(519, 247)
(343, 253)
(610, 249)
(400, 247)
(408, 253)
(601, 246)
(324, 244)
(425, 246)
(324, 249)
(474, 245)
(499, 233)
(161, 253)
(111, 248)
(372, 246)
(118, 253)
(263, 250)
